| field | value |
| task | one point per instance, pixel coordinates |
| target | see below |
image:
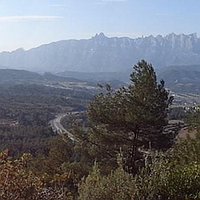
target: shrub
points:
(116, 186)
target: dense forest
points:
(124, 149)
(25, 112)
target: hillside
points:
(10, 76)
(13, 76)
(182, 78)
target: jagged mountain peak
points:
(100, 36)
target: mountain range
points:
(104, 54)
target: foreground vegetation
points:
(172, 175)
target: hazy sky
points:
(29, 23)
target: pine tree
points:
(133, 116)
(148, 104)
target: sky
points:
(30, 23)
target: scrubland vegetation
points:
(121, 153)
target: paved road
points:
(58, 127)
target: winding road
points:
(57, 127)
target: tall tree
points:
(133, 116)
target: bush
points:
(173, 175)
(117, 186)
(168, 182)
(17, 182)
